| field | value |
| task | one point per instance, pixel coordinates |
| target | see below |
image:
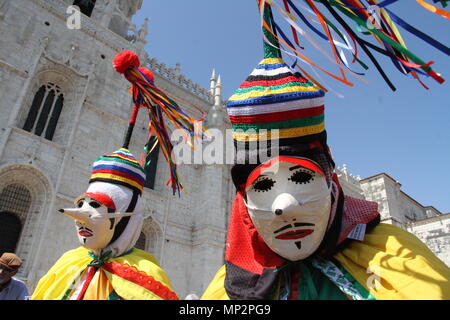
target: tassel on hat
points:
(158, 104)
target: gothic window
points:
(86, 6)
(140, 243)
(150, 170)
(45, 111)
(15, 201)
(10, 227)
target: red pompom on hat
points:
(125, 60)
(147, 73)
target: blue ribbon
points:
(320, 34)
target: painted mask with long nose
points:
(289, 202)
(95, 223)
(107, 211)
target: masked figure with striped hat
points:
(293, 234)
(108, 217)
(108, 222)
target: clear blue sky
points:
(372, 129)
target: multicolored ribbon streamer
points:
(371, 17)
(433, 9)
(158, 105)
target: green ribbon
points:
(381, 35)
(320, 279)
(98, 261)
(270, 51)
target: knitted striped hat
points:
(275, 97)
(121, 168)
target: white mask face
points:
(95, 227)
(94, 224)
(289, 202)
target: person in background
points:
(10, 287)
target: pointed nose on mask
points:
(80, 215)
(283, 204)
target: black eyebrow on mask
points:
(283, 228)
(303, 224)
(299, 166)
(296, 167)
(260, 176)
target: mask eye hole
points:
(263, 184)
(302, 176)
(80, 203)
(95, 204)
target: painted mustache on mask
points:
(294, 234)
(297, 224)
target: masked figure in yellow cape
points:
(107, 216)
(293, 234)
(108, 223)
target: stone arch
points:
(10, 228)
(141, 242)
(33, 216)
(153, 237)
(15, 202)
(65, 80)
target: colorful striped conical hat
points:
(276, 97)
(119, 167)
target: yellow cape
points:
(390, 263)
(57, 283)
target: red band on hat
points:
(278, 116)
(277, 82)
(102, 198)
